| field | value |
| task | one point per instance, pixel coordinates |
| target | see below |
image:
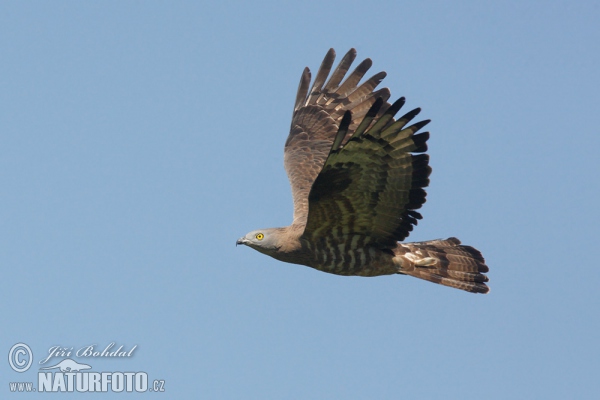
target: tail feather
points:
(445, 262)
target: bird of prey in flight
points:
(358, 177)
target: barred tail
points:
(446, 262)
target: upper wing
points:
(372, 185)
(317, 116)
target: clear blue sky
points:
(140, 139)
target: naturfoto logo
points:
(69, 375)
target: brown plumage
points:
(357, 178)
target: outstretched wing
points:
(372, 185)
(317, 116)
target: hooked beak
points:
(240, 241)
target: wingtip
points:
(394, 108)
(330, 54)
(343, 129)
(345, 123)
(347, 117)
(375, 108)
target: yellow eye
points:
(260, 236)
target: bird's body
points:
(342, 258)
(357, 178)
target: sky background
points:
(140, 139)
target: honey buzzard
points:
(357, 178)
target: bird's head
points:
(263, 240)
